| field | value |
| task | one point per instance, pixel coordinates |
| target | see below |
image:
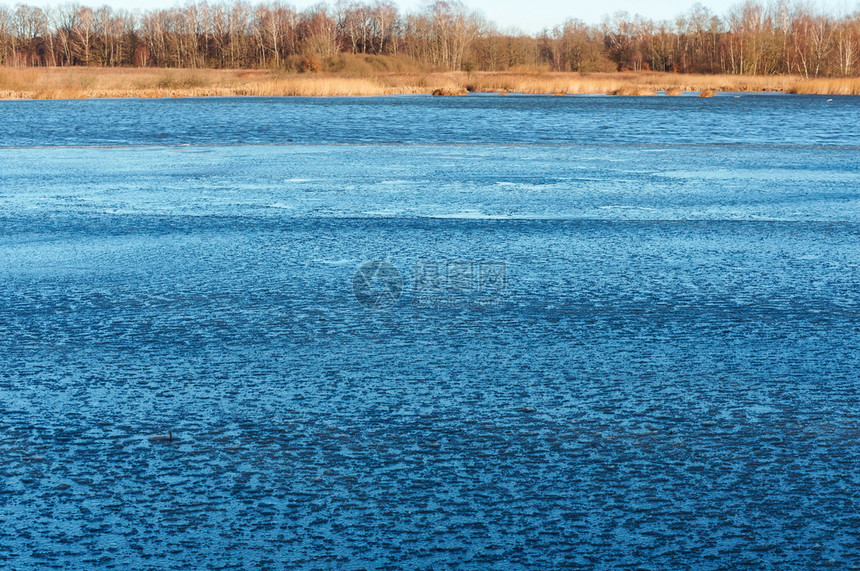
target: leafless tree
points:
(754, 37)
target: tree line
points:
(778, 37)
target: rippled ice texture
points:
(667, 377)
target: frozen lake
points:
(608, 331)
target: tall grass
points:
(365, 75)
(312, 86)
(845, 86)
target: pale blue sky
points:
(528, 15)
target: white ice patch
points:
(384, 212)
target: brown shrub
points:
(447, 91)
(634, 90)
(311, 63)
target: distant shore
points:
(93, 82)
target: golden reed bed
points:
(80, 83)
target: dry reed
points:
(74, 83)
(842, 86)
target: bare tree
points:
(753, 38)
(6, 35)
(847, 40)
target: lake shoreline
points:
(96, 83)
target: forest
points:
(753, 38)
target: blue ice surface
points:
(664, 374)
